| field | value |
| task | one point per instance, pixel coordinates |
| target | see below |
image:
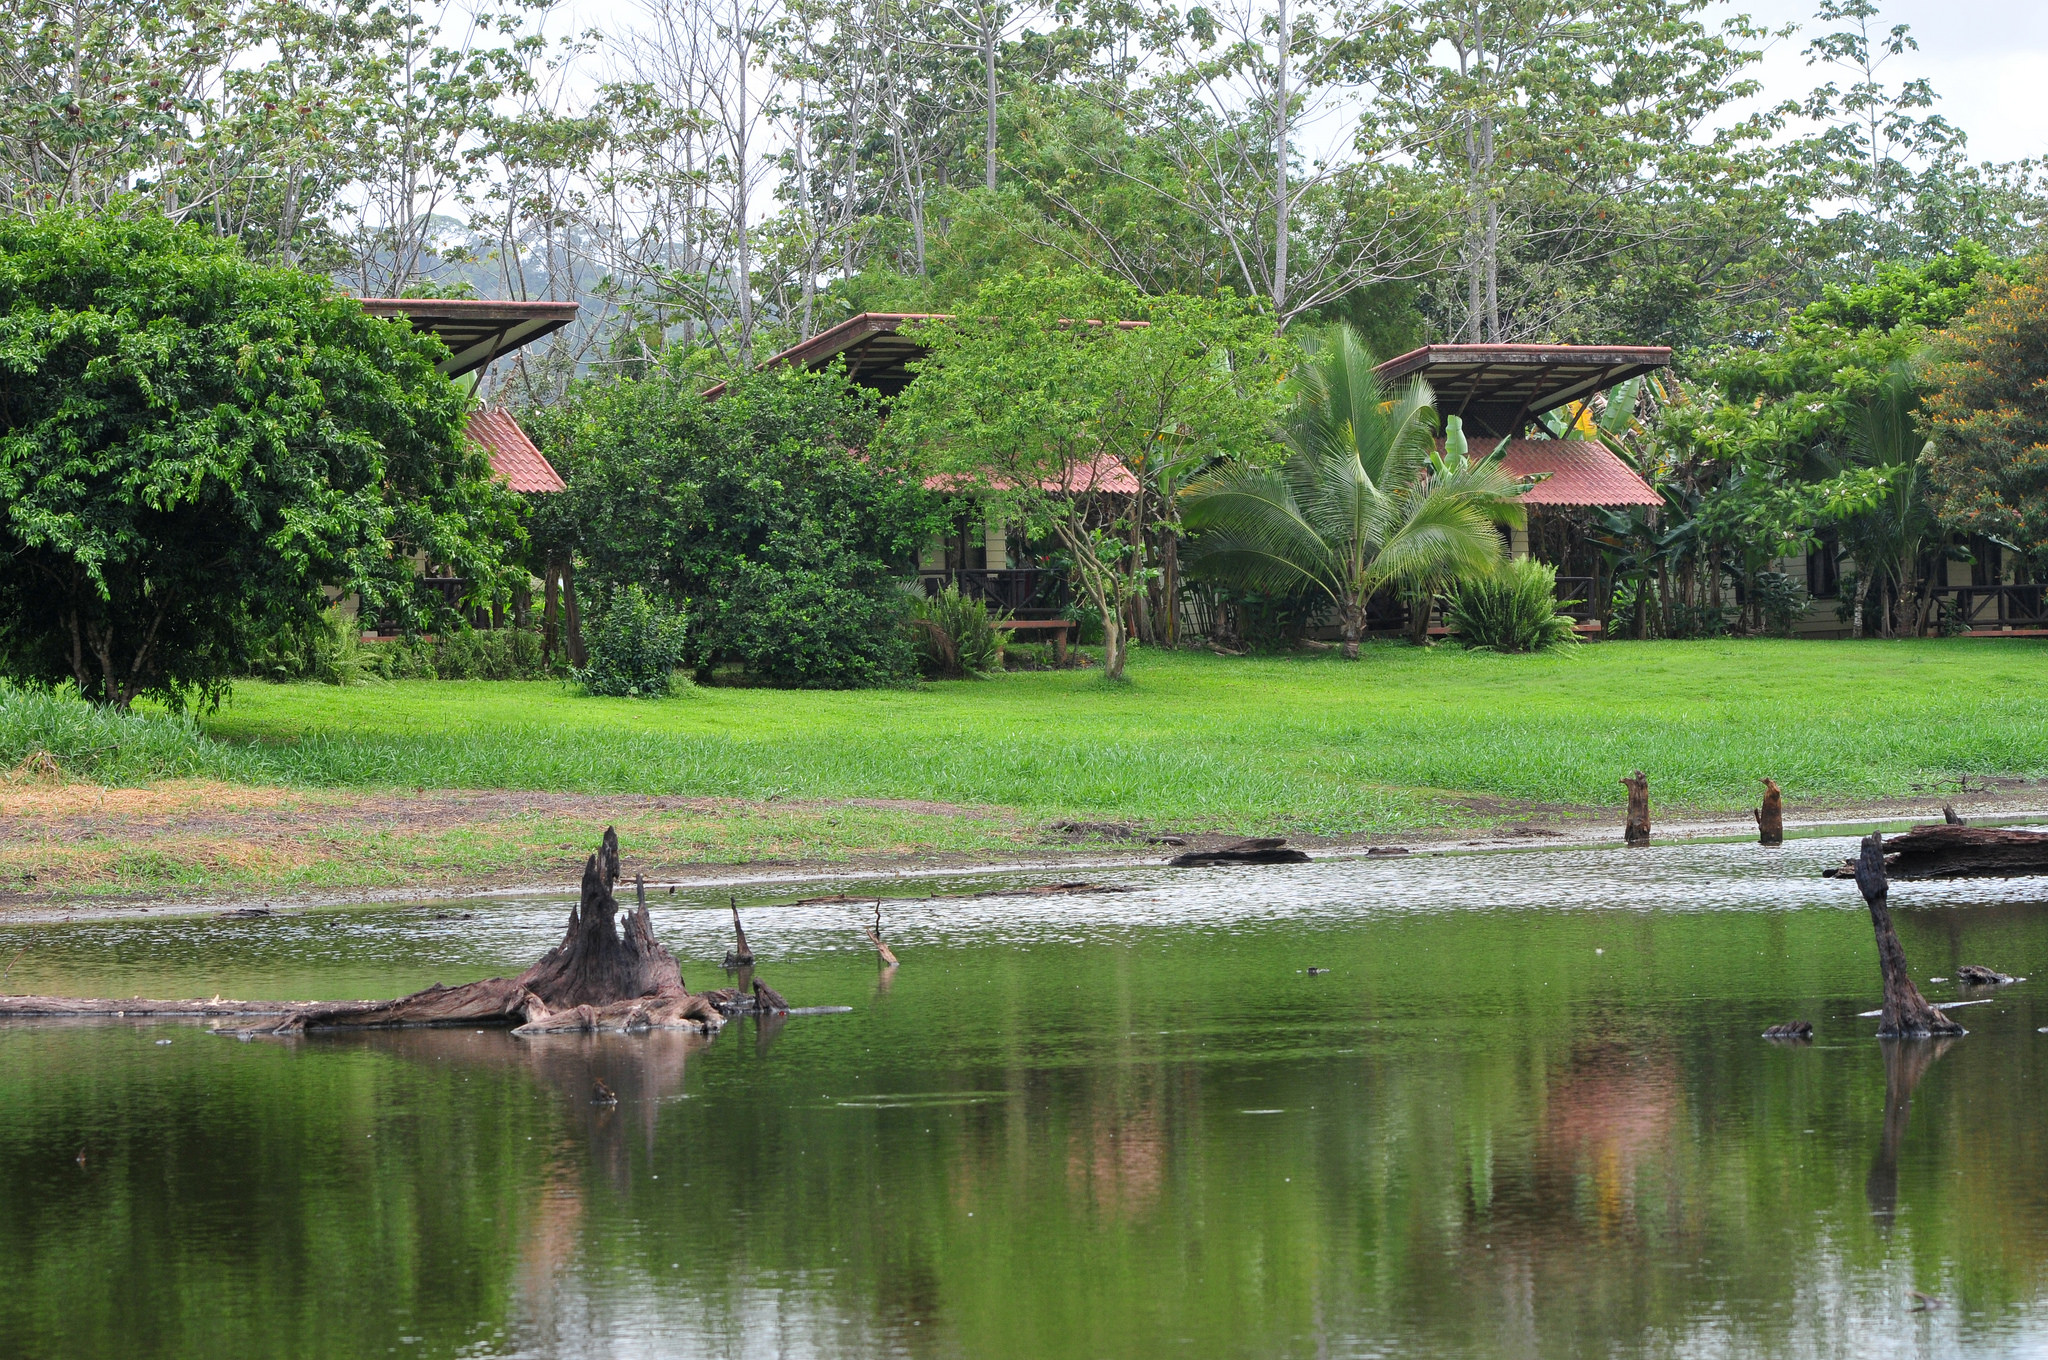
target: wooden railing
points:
(1997, 606)
(1025, 591)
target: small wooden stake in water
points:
(1770, 818)
(874, 935)
(1637, 831)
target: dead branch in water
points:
(1906, 1013)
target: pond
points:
(1524, 1112)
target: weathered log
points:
(1906, 1014)
(602, 1094)
(1791, 1029)
(1637, 829)
(1958, 850)
(1770, 818)
(768, 1001)
(1976, 975)
(1257, 850)
(1949, 815)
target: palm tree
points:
(1363, 500)
(1891, 537)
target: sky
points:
(1987, 60)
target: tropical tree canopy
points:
(1362, 501)
(1988, 414)
(192, 446)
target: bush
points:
(328, 648)
(636, 643)
(812, 628)
(771, 508)
(1513, 609)
(1781, 599)
(955, 635)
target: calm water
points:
(1525, 1113)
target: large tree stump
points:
(1637, 829)
(1770, 818)
(1906, 1013)
(598, 977)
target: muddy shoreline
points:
(354, 831)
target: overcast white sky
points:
(1988, 60)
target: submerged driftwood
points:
(604, 975)
(1958, 850)
(1906, 1013)
(1257, 850)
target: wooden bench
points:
(1057, 627)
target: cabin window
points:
(1824, 567)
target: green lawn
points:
(1197, 741)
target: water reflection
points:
(1074, 1128)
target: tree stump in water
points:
(1770, 818)
(1906, 1013)
(1637, 830)
(598, 977)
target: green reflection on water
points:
(1475, 1135)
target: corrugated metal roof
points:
(1581, 472)
(513, 456)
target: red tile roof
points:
(1581, 472)
(1107, 475)
(513, 456)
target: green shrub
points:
(955, 635)
(1512, 609)
(772, 511)
(328, 648)
(1781, 599)
(636, 643)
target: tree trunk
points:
(572, 616)
(551, 612)
(1351, 623)
(1862, 593)
(1770, 818)
(1637, 829)
(1906, 1014)
(598, 977)
(1114, 642)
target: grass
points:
(364, 785)
(1313, 744)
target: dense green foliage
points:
(1513, 608)
(764, 514)
(1988, 413)
(192, 446)
(637, 643)
(1052, 391)
(954, 634)
(1363, 501)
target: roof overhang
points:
(476, 331)
(876, 351)
(1498, 389)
